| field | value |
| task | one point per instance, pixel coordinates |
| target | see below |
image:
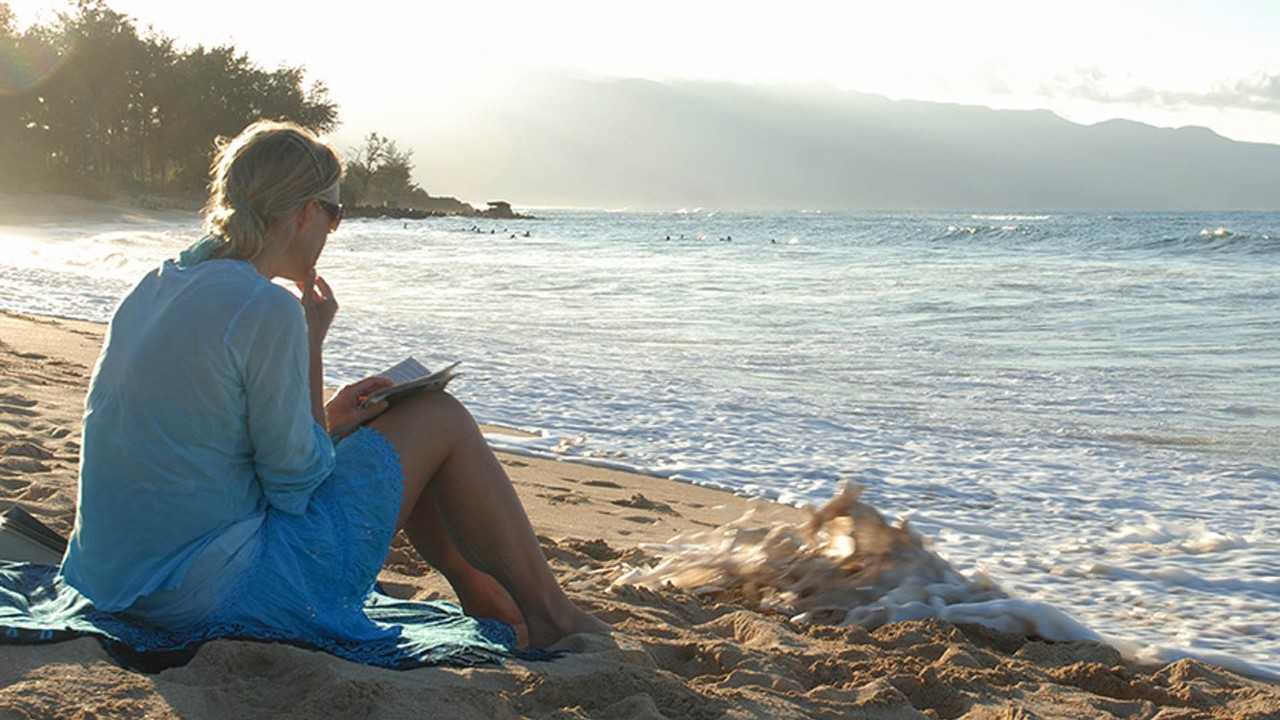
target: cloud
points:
(1260, 92)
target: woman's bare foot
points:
(482, 596)
(571, 620)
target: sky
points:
(1170, 64)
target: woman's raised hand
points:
(343, 413)
(319, 305)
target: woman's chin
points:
(296, 274)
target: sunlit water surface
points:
(1084, 407)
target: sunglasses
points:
(335, 213)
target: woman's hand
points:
(318, 304)
(320, 307)
(343, 413)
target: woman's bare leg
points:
(446, 458)
(478, 592)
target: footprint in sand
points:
(643, 520)
(17, 405)
(602, 483)
(640, 502)
(571, 498)
(22, 456)
(515, 463)
(12, 486)
(38, 493)
(13, 400)
(63, 370)
(25, 449)
(22, 464)
(596, 549)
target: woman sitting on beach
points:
(216, 487)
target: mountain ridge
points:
(648, 144)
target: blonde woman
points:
(217, 488)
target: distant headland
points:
(436, 207)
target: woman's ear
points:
(301, 214)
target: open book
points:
(409, 376)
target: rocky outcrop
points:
(501, 210)
(435, 207)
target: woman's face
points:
(318, 218)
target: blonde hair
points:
(259, 176)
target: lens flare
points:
(24, 64)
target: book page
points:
(405, 370)
(419, 378)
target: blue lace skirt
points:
(310, 583)
(311, 574)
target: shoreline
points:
(37, 209)
(673, 655)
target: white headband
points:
(331, 193)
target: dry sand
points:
(673, 656)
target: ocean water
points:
(1083, 407)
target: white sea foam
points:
(1180, 537)
(122, 255)
(846, 566)
(1008, 218)
(1217, 233)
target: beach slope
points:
(674, 655)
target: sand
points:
(674, 655)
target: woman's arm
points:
(344, 413)
(320, 307)
(271, 342)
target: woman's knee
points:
(436, 415)
(428, 408)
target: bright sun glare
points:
(1155, 62)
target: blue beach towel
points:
(37, 607)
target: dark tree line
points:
(380, 173)
(91, 106)
(378, 181)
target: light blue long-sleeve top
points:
(198, 419)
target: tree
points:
(27, 61)
(109, 111)
(92, 102)
(9, 116)
(378, 173)
(216, 92)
